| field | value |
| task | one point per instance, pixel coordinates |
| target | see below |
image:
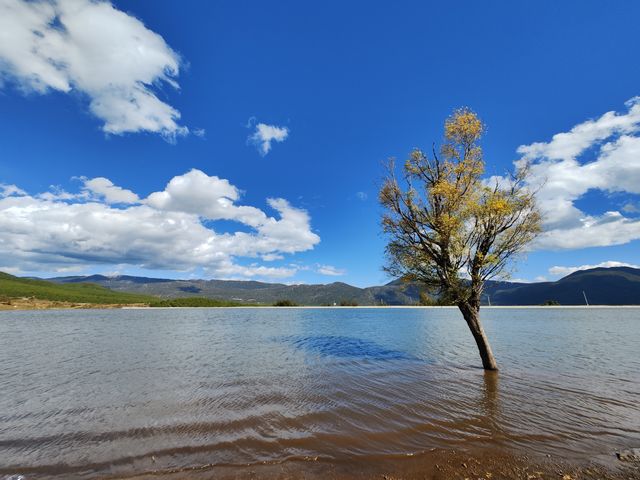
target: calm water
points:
(87, 394)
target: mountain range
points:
(600, 286)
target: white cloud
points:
(330, 270)
(10, 190)
(58, 193)
(10, 270)
(169, 230)
(610, 228)
(270, 257)
(564, 271)
(291, 230)
(631, 207)
(208, 196)
(94, 49)
(362, 196)
(104, 188)
(230, 270)
(611, 147)
(568, 145)
(265, 134)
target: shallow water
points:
(92, 393)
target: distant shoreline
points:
(30, 306)
(602, 287)
(395, 307)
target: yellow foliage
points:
(445, 189)
(497, 205)
(463, 127)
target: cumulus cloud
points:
(601, 154)
(264, 134)
(172, 229)
(208, 196)
(96, 50)
(330, 270)
(104, 188)
(564, 271)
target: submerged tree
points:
(450, 229)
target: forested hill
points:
(12, 287)
(602, 286)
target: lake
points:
(93, 393)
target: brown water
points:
(88, 394)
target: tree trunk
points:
(471, 314)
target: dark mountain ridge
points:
(600, 286)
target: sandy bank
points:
(37, 304)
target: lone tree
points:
(450, 229)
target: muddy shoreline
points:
(436, 464)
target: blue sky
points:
(339, 87)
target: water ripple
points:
(95, 393)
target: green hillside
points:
(15, 287)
